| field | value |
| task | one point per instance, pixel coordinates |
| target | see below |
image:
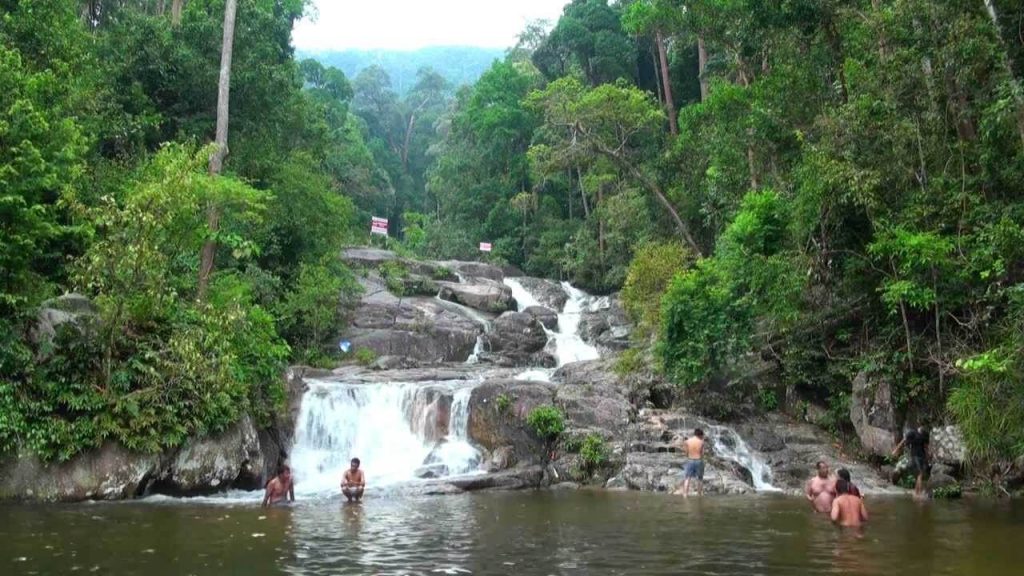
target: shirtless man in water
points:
(847, 509)
(353, 482)
(280, 488)
(821, 489)
(694, 467)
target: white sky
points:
(412, 24)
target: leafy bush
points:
(593, 452)
(365, 356)
(649, 275)
(503, 403)
(547, 422)
(950, 492)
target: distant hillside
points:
(459, 64)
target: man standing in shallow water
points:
(353, 482)
(821, 489)
(281, 488)
(694, 467)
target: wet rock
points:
(502, 458)
(947, 445)
(565, 486)
(872, 413)
(481, 294)
(517, 339)
(204, 465)
(593, 398)
(416, 327)
(605, 324)
(475, 270)
(523, 478)
(497, 416)
(942, 476)
(663, 472)
(546, 316)
(549, 293)
(108, 473)
(431, 471)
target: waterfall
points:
(393, 428)
(729, 445)
(474, 315)
(569, 346)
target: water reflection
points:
(525, 534)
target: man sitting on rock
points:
(280, 488)
(821, 489)
(353, 482)
(847, 509)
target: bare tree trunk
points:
(702, 65)
(221, 141)
(176, 7)
(657, 77)
(1007, 63)
(670, 105)
(583, 193)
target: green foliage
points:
(593, 452)
(649, 275)
(547, 422)
(365, 356)
(768, 399)
(951, 492)
(503, 403)
(313, 311)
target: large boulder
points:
(872, 414)
(475, 270)
(593, 397)
(548, 293)
(663, 472)
(70, 311)
(546, 316)
(419, 328)
(482, 294)
(107, 473)
(605, 324)
(374, 258)
(209, 464)
(497, 417)
(947, 446)
(517, 339)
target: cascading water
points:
(393, 428)
(729, 445)
(569, 346)
(475, 316)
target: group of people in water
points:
(836, 496)
(281, 488)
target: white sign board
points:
(485, 246)
(379, 226)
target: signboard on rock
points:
(379, 226)
(485, 246)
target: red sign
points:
(379, 226)
(485, 246)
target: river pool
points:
(525, 534)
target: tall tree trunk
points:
(702, 66)
(670, 105)
(221, 149)
(1007, 62)
(176, 7)
(657, 76)
(583, 193)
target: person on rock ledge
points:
(917, 441)
(280, 489)
(821, 489)
(353, 482)
(694, 467)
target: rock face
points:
(605, 324)
(482, 294)
(497, 417)
(108, 473)
(517, 339)
(373, 258)
(872, 414)
(549, 293)
(68, 311)
(475, 270)
(593, 398)
(947, 445)
(546, 316)
(416, 327)
(231, 458)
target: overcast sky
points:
(411, 24)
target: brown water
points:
(525, 534)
